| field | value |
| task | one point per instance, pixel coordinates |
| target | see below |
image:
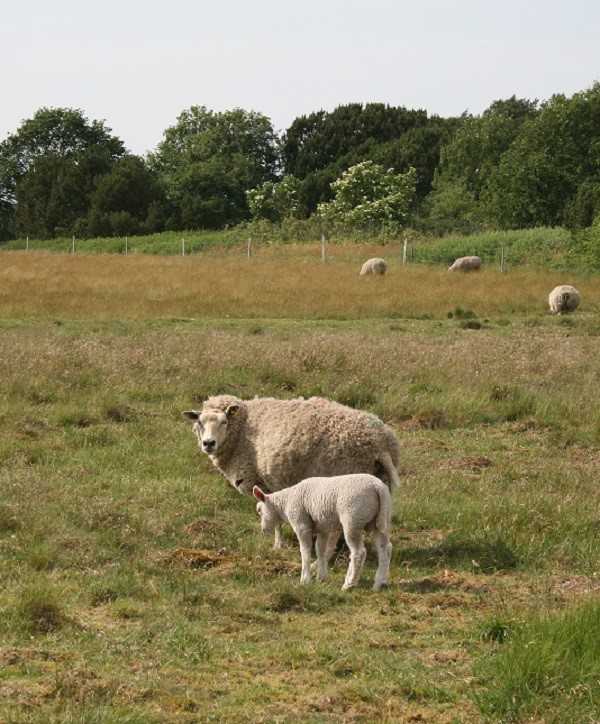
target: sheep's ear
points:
(231, 409)
(191, 415)
(258, 493)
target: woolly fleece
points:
(276, 443)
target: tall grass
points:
(540, 247)
(548, 671)
(138, 287)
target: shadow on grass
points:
(486, 556)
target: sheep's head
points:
(269, 518)
(210, 426)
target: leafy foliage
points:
(275, 201)
(207, 161)
(366, 195)
(49, 169)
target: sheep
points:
(563, 298)
(374, 266)
(466, 263)
(276, 443)
(327, 507)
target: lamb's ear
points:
(191, 415)
(258, 493)
(231, 409)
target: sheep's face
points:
(210, 427)
(269, 520)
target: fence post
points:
(27, 244)
(323, 251)
(404, 250)
(183, 247)
(502, 260)
(249, 247)
(73, 245)
(125, 246)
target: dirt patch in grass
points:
(202, 558)
(474, 463)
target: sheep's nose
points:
(209, 445)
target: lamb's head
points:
(213, 426)
(269, 518)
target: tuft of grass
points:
(549, 669)
(38, 610)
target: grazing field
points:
(136, 586)
(279, 283)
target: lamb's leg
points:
(329, 550)
(384, 555)
(358, 553)
(278, 543)
(321, 546)
(305, 539)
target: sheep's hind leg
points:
(305, 539)
(321, 547)
(358, 553)
(384, 555)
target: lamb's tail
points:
(384, 516)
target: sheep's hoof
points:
(348, 586)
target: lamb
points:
(374, 266)
(466, 263)
(326, 507)
(276, 443)
(563, 298)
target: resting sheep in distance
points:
(276, 443)
(327, 507)
(374, 266)
(466, 263)
(563, 298)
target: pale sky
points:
(137, 64)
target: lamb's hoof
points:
(379, 586)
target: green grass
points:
(165, 243)
(136, 585)
(547, 669)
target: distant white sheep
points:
(466, 263)
(563, 298)
(327, 507)
(374, 266)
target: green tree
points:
(275, 201)
(207, 161)
(127, 200)
(367, 195)
(538, 179)
(50, 166)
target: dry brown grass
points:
(292, 284)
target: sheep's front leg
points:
(305, 539)
(278, 543)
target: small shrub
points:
(460, 313)
(471, 324)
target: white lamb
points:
(465, 264)
(563, 298)
(327, 507)
(374, 266)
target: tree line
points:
(521, 163)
